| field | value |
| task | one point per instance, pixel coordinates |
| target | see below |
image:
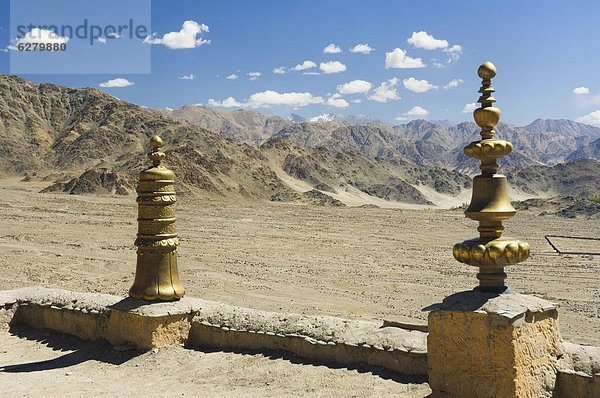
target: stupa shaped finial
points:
(490, 204)
(156, 275)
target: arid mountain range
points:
(88, 141)
(542, 142)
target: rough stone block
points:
(489, 345)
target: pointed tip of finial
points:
(156, 142)
(487, 70)
(156, 155)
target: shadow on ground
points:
(78, 351)
(286, 356)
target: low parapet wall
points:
(200, 323)
(578, 371)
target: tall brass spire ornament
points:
(490, 204)
(156, 275)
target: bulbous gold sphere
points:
(487, 70)
(156, 142)
(487, 117)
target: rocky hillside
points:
(542, 142)
(241, 126)
(563, 206)
(46, 128)
(246, 126)
(422, 142)
(92, 142)
(589, 151)
(395, 180)
(578, 178)
(95, 143)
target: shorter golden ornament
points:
(156, 274)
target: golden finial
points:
(156, 155)
(156, 275)
(490, 204)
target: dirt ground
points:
(42, 364)
(349, 262)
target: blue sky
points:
(543, 51)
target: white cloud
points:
(581, 90)
(190, 36)
(453, 53)
(270, 97)
(253, 75)
(362, 49)
(387, 91)
(418, 86)
(332, 49)
(398, 59)
(400, 118)
(38, 36)
(233, 76)
(417, 111)
(453, 83)
(453, 57)
(354, 87)
(118, 82)
(469, 107)
(228, 102)
(457, 48)
(279, 71)
(102, 40)
(114, 35)
(332, 67)
(428, 42)
(337, 101)
(311, 73)
(592, 118)
(191, 76)
(304, 66)
(356, 101)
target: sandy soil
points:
(349, 262)
(41, 364)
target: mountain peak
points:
(324, 117)
(563, 127)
